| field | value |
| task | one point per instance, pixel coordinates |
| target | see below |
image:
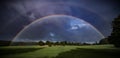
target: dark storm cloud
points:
(15, 14)
(11, 22)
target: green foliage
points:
(115, 35)
(104, 41)
(63, 43)
(41, 43)
(49, 43)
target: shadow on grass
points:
(90, 53)
(12, 51)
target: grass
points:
(93, 51)
(90, 53)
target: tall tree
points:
(49, 43)
(115, 35)
(41, 43)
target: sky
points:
(59, 28)
(15, 15)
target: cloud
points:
(14, 14)
(46, 29)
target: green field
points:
(92, 51)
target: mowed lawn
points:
(92, 51)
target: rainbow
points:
(54, 16)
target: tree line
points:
(62, 43)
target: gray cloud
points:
(15, 14)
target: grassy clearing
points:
(102, 51)
(96, 51)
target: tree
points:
(49, 43)
(114, 38)
(41, 43)
(57, 43)
(63, 43)
(104, 41)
